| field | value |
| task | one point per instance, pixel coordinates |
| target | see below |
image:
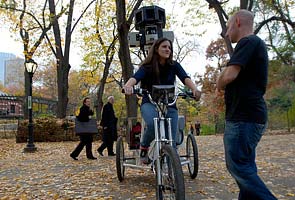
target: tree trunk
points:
(222, 20)
(99, 102)
(124, 53)
(101, 89)
(244, 4)
(63, 66)
(62, 89)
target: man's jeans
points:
(148, 113)
(240, 141)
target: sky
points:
(192, 64)
(8, 45)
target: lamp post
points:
(31, 67)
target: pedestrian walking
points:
(198, 127)
(109, 124)
(86, 139)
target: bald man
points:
(244, 80)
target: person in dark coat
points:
(85, 139)
(109, 124)
(198, 127)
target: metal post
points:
(30, 146)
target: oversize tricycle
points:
(166, 160)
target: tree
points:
(273, 16)
(123, 26)
(35, 26)
(31, 29)
(47, 81)
(102, 45)
(280, 27)
(100, 39)
(83, 84)
(182, 50)
(62, 54)
(280, 93)
(223, 17)
(217, 50)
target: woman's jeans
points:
(240, 141)
(148, 113)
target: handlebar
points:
(184, 95)
(141, 92)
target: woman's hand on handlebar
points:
(197, 94)
(128, 87)
(128, 90)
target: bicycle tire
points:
(192, 155)
(120, 157)
(171, 175)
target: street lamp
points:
(31, 67)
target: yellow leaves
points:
(138, 194)
(56, 196)
(290, 194)
(80, 84)
(53, 195)
(201, 192)
(23, 196)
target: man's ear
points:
(238, 21)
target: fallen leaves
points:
(50, 173)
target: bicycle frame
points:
(160, 121)
(160, 137)
(166, 162)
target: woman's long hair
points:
(153, 58)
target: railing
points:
(8, 128)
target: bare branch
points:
(80, 17)
(274, 18)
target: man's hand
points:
(228, 75)
(218, 92)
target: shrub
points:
(47, 130)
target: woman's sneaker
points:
(144, 158)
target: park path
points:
(50, 173)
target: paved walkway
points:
(50, 173)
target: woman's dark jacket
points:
(167, 76)
(84, 114)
